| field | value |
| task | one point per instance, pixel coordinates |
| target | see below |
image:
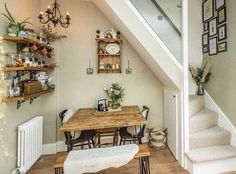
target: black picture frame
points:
(216, 3)
(205, 26)
(220, 30)
(212, 29)
(222, 49)
(213, 45)
(219, 12)
(205, 49)
(205, 39)
(206, 5)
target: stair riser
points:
(212, 167)
(196, 104)
(211, 140)
(203, 122)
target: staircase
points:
(210, 145)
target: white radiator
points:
(30, 142)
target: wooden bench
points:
(143, 156)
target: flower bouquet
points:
(115, 93)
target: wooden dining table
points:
(89, 118)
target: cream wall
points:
(44, 105)
(80, 90)
(195, 38)
(223, 84)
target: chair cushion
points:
(68, 114)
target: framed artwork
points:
(222, 15)
(213, 46)
(222, 47)
(212, 27)
(219, 4)
(205, 26)
(205, 40)
(207, 10)
(205, 49)
(222, 32)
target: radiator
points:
(30, 142)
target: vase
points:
(115, 105)
(200, 89)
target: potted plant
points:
(15, 27)
(201, 75)
(115, 93)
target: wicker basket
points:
(32, 87)
(158, 138)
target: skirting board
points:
(60, 146)
(223, 121)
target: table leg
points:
(144, 165)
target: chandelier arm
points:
(64, 24)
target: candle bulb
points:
(49, 7)
(67, 13)
(41, 13)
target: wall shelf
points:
(108, 40)
(23, 98)
(19, 68)
(25, 41)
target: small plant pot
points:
(200, 89)
(13, 30)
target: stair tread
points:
(211, 153)
(210, 137)
(209, 131)
(204, 119)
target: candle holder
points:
(128, 69)
(89, 69)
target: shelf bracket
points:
(32, 100)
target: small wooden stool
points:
(143, 156)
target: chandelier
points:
(54, 15)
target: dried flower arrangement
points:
(201, 75)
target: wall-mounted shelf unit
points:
(24, 98)
(108, 55)
(21, 44)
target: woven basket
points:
(32, 87)
(157, 138)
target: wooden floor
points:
(161, 162)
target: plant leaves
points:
(8, 17)
(9, 14)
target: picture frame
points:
(219, 4)
(213, 49)
(205, 49)
(212, 27)
(205, 26)
(207, 10)
(221, 15)
(205, 39)
(222, 32)
(222, 47)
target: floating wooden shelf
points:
(19, 68)
(108, 40)
(108, 54)
(109, 71)
(26, 41)
(26, 97)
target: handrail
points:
(166, 16)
